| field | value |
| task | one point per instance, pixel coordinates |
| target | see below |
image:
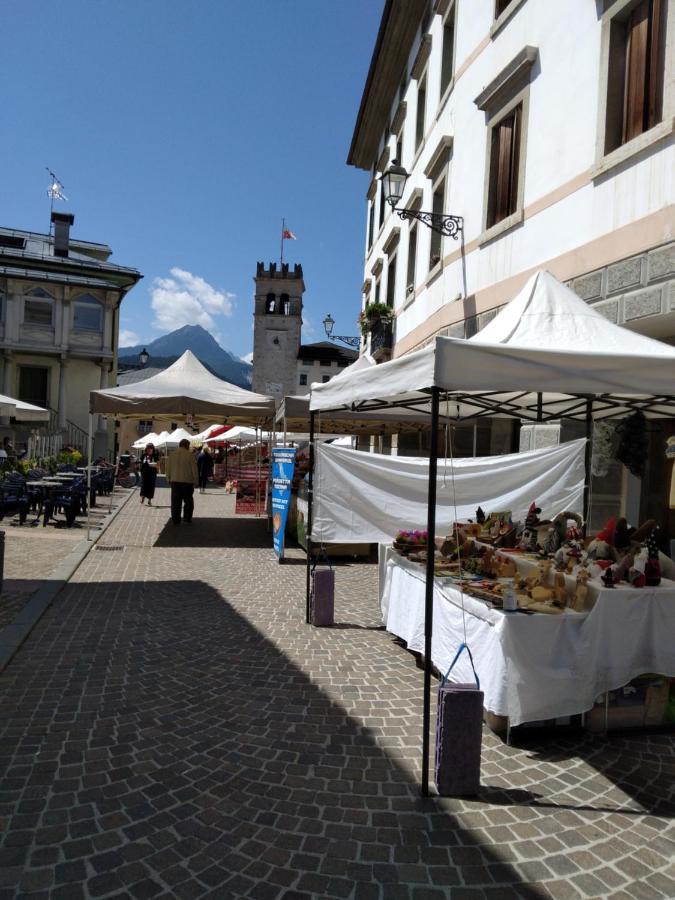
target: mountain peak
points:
(202, 344)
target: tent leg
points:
(308, 531)
(588, 458)
(429, 588)
(90, 451)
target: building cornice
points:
(398, 27)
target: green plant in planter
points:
(372, 313)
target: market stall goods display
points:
(473, 558)
(535, 666)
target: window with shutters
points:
(505, 101)
(391, 281)
(448, 50)
(636, 71)
(436, 242)
(383, 204)
(421, 111)
(636, 107)
(412, 262)
(371, 222)
(504, 167)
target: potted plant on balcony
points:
(373, 313)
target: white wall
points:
(562, 132)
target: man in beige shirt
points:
(181, 472)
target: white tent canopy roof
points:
(176, 436)
(24, 412)
(294, 412)
(186, 388)
(547, 351)
(146, 439)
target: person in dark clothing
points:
(149, 461)
(204, 467)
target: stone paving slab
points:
(33, 552)
(173, 728)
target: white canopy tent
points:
(545, 356)
(174, 438)
(293, 413)
(24, 412)
(540, 358)
(145, 440)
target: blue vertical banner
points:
(283, 467)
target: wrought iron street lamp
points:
(143, 357)
(393, 181)
(329, 325)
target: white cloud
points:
(187, 299)
(249, 357)
(309, 328)
(128, 338)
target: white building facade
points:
(549, 128)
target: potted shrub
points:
(374, 312)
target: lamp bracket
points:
(439, 222)
(347, 339)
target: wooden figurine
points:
(560, 589)
(581, 591)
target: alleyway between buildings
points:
(172, 728)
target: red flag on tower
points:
(288, 235)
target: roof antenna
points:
(54, 192)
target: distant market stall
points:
(547, 355)
(184, 391)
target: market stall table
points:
(535, 666)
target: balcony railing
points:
(381, 338)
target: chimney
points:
(62, 223)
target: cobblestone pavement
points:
(32, 554)
(172, 728)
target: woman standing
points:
(204, 467)
(149, 462)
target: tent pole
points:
(429, 588)
(588, 458)
(90, 450)
(308, 531)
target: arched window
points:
(87, 313)
(38, 307)
(284, 305)
(271, 303)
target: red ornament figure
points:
(652, 566)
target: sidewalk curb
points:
(13, 636)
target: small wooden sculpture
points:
(560, 589)
(581, 592)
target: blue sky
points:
(183, 132)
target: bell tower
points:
(277, 325)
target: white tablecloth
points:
(537, 666)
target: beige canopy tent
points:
(186, 388)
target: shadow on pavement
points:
(216, 532)
(158, 736)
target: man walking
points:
(181, 472)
